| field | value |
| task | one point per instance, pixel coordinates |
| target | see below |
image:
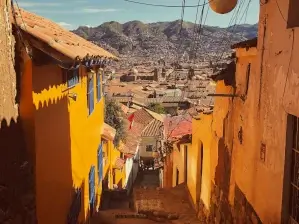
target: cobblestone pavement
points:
(148, 197)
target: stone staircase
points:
(171, 202)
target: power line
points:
(235, 18)
(167, 6)
(200, 29)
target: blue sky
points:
(73, 13)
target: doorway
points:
(177, 177)
(186, 162)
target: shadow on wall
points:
(242, 211)
(54, 181)
(76, 211)
(17, 193)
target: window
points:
(294, 193)
(90, 93)
(72, 77)
(92, 185)
(100, 162)
(99, 94)
(293, 16)
(149, 148)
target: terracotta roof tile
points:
(143, 117)
(152, 129)
(133, 136)
(60, 39)
(178, 126)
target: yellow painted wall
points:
(199, 180)
(67, 140)
(113, 154)
(179, 163)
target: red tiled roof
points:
(58, 38)
(152, 129)
(142, 116)
(178, 126)
(133, 136)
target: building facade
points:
(62, 112)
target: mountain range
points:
(165, 39)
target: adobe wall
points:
(8, 109)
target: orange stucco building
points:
(62, 112)
(177, 136)
(259, 126)
(223, 144)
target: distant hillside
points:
(162, 38)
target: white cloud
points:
(37, 4)
(64, 24)
(95, 10)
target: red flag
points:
(131, 119)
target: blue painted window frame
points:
(72, 77)
(99, 93)
(100, 162)
(90, 94)
(91, 180)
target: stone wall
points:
(8, 108)
(17, 194)
(221, 211)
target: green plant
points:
(114, 119)
(157, 107)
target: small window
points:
(72, 77)
(100, 162)
(99, 93)
(149, 148)
(90, 93)
(293, 16)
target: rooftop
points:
(152, 129)
(55, 36)
(178, 126)
(246, 44)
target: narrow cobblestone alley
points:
(147, 204)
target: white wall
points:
(144, 142)
(131, 170)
